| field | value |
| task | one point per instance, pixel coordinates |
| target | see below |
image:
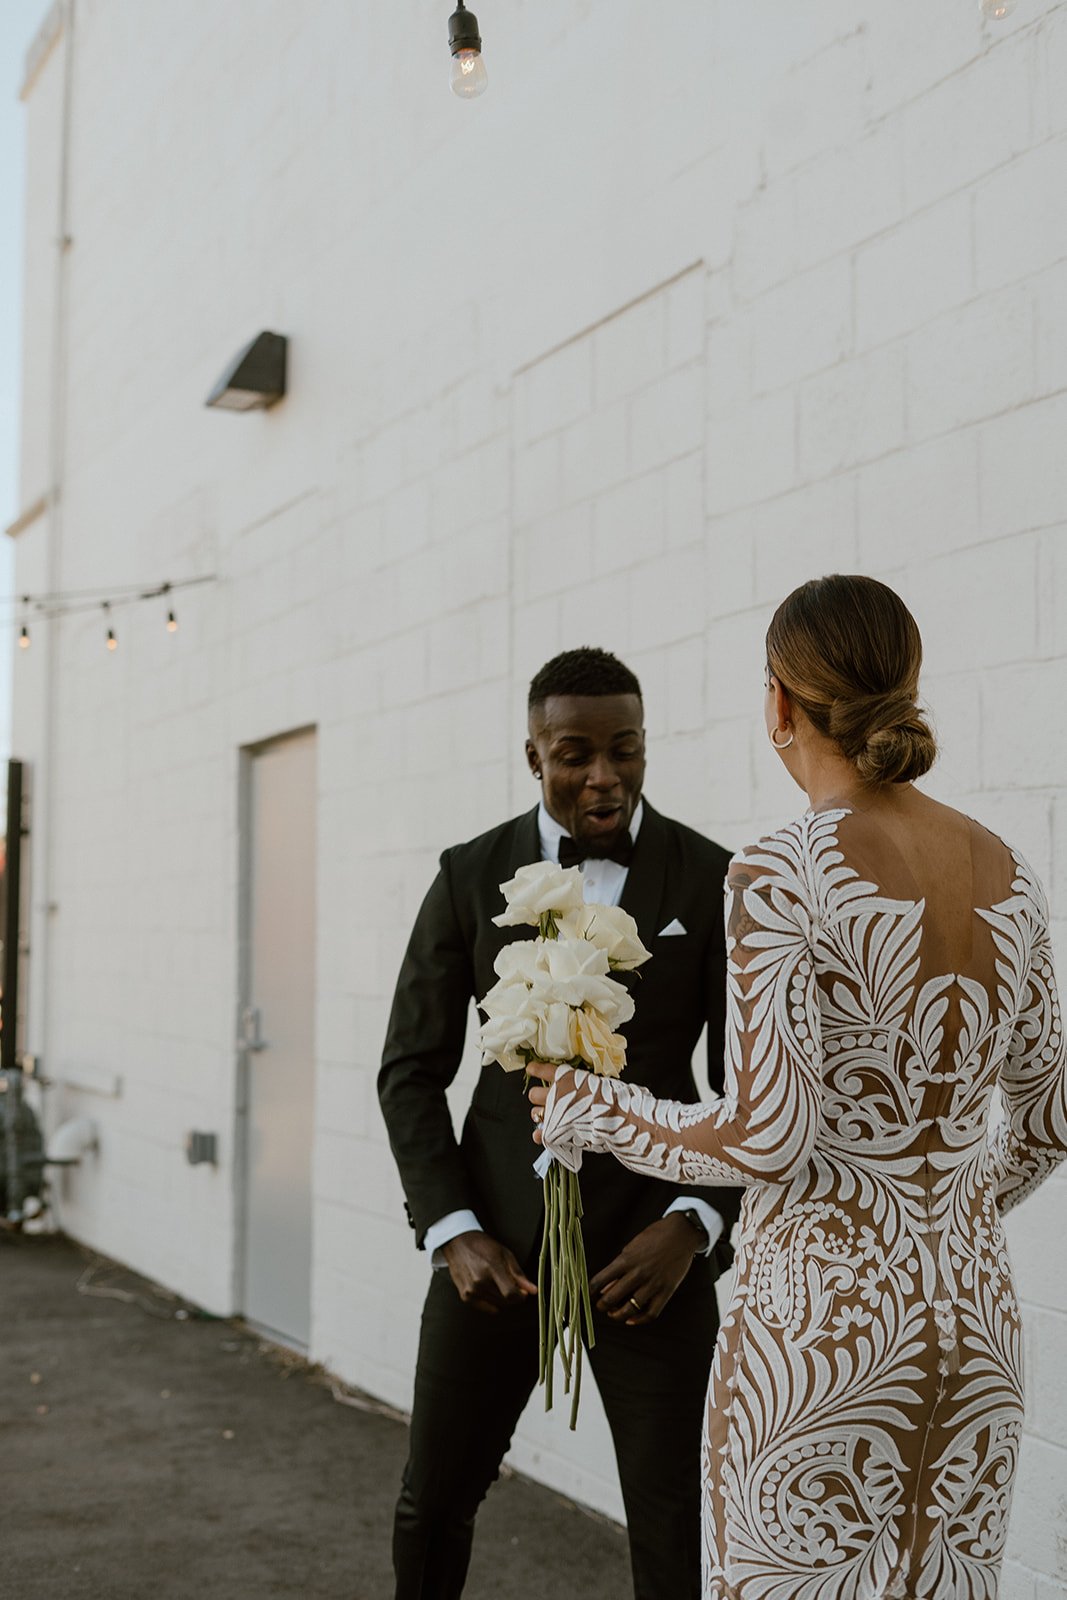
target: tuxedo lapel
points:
(523, 847)
(642, 895)
(526, 846)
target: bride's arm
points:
(1033, 1137)
(763, 1127)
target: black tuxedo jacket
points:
(675, 873)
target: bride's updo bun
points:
(848, 651)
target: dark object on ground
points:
(155, 1456)
(28, 1147)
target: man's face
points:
(590, 752)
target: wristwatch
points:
(693, 1217)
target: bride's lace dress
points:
(866, 1399)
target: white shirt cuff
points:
(449, 1228)
(714, 1226)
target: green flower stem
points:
(552, 1224)
(565, 1306)
(546, 1353)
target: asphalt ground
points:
(148, 1452)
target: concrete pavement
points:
(149, 1455)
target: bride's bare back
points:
(914, 848)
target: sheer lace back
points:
(914, 947)
(952, 865)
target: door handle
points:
(249, 1036)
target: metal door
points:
(276, 1035)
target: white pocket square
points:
(673, 928)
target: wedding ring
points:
(539, 1115)
(636, 1305)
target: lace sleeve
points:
(763, 1127)
(1032, 1139)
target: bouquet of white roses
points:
(556, 1001)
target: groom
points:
(653, 1250)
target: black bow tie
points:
(572, 854)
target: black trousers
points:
(474, 1376)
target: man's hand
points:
(485, 1273)
(647, 1271)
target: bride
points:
(889, 967)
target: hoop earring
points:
(775, 743)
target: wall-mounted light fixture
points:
(255, 378)
(468, 77)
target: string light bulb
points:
(51, 605)
(468, 77)
(997, 10)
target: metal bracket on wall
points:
(201, 1148)
(248, 1037)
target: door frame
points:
(246, 757)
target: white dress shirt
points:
(603, 882)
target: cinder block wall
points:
(616, 355)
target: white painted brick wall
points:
(616, 356)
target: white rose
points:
(577, 975)
(513, 1021)
(614, 931)
(614, 1003)
(540, 1027)
(540, 887)
(557, 1039)
(573, 958)
(509, 997)
(522, 959)
(501, 1038)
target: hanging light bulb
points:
(112, 642)
(24, 638)
(172, 622)
(468, 77)
(997, 10)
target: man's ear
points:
(532, 758)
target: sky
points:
(19, 20)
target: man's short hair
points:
(587, 671)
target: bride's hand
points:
(538, 1092)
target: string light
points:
(467, 77)
(56, 604)
(997, 10)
